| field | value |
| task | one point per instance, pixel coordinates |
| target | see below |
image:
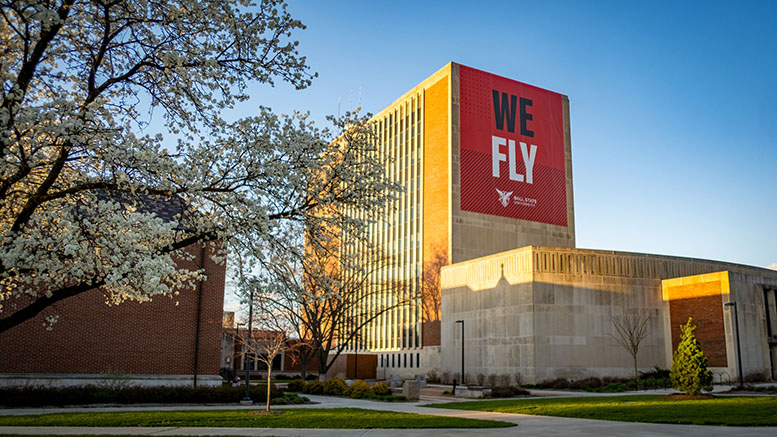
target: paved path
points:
(526, 425)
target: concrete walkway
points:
(526, 425)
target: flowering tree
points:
(79, 178)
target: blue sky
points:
(674, 124)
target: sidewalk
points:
(526, 425)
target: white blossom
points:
(79, 178)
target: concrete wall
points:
(747, 292)
(546, 312)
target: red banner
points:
(512, 149)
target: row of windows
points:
(400, 360)
(398, 139)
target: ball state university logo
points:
(504, 197)
(512, 137)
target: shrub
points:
(381, 389)
(558, 384)
(283, 377)
(311, 377)
(46, 396)
(518, 391)
(313, 388)
(656, 373)
(432, 377)
(359, 388)
(481, 378)
(590, 382)
(290, 399)
(689, 365)
(335, 386)
(501, 392)
(295, 385)
(227, 373)
(508, 392)
(386, 398)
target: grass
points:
(731, 411)
(336, 418)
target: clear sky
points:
(673, 104)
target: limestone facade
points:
(545, 312)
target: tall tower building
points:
(485, 165)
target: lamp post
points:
(247, 396)
(463, 381)
(356, 358)
(739, 347)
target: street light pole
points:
(739, 347)
(247, 360)
(463, 381)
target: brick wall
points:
(156, 337)
(345, 364)
(431, 332)
(700, 298)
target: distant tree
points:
(265, 346)
(689, 365)
(327, 295)
(431, 298)
(631, 327)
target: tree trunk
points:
(636, 374)
(269, 380)
(321, 356)
(304, 360)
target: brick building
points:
(167, 341)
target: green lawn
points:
(732, 411)
(338, 418)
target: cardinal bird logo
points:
(504, 197)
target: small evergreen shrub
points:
(689, 365)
